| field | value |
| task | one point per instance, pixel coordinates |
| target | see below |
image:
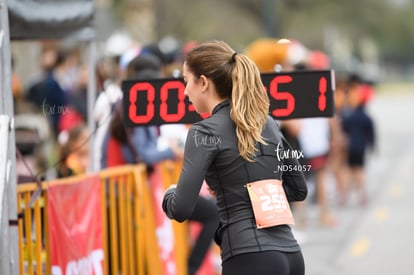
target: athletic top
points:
(211, 153)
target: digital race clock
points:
(297, 94)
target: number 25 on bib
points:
(270, 206)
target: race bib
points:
(269, 202)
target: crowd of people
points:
(56, 143)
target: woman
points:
(238, 145)
(129, 145)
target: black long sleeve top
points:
(359, 127)
(211, 153)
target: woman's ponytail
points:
(249, 105)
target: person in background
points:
(360, 133)
(314, 140)
(110, 74)
(233, 149)
(138, 144)
(73, 151)
(46, 94)
(337, 154)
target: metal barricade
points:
(128, 224)
(32, 230)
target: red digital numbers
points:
(133, 96)
(279, 95)
(164, 93)
(148, 113)
(322, 94)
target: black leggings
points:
(265, 263)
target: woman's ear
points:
(204, 82)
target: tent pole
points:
(91, 98)
(9, 254)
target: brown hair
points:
(235, 76)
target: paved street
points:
(378, 238)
